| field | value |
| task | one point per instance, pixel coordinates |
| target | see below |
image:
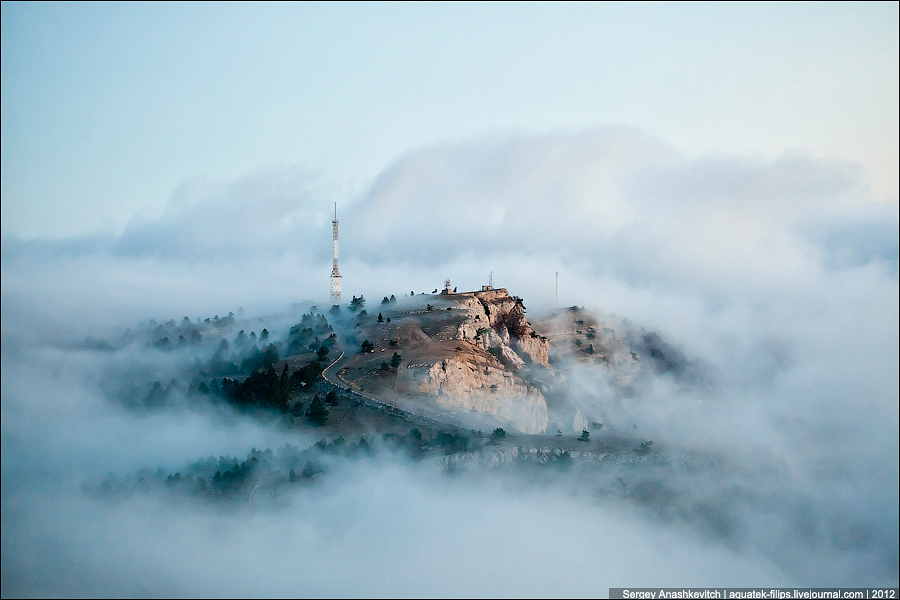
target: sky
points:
(108, 110)
(724, 175)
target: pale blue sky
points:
(107, 108)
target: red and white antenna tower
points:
(335, 274)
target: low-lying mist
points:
(776, 464)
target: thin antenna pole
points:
(335, 273)
(557, 288)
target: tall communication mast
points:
(335, 274)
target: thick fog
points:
(779, 278)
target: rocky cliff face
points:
(476, 382)
(495, 320)
(463, 351)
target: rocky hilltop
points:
(474, 359)
(495, 320)
(495, 340)
(599, 364)
(460, 353)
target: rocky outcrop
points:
(477, 382)
(497, 320)
(534, 346)
(468, 353)
(579, 336)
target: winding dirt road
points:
(331, 375)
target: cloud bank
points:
(781, 276)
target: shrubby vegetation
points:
(242, 371)
(318, 412)
(262, 388)
(308, 334)
(271, 472)
(391, 368)
(357, 303)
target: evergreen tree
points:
(318, 412)
(357, 303)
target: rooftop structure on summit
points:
(490, 284)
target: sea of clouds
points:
(781, 276)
